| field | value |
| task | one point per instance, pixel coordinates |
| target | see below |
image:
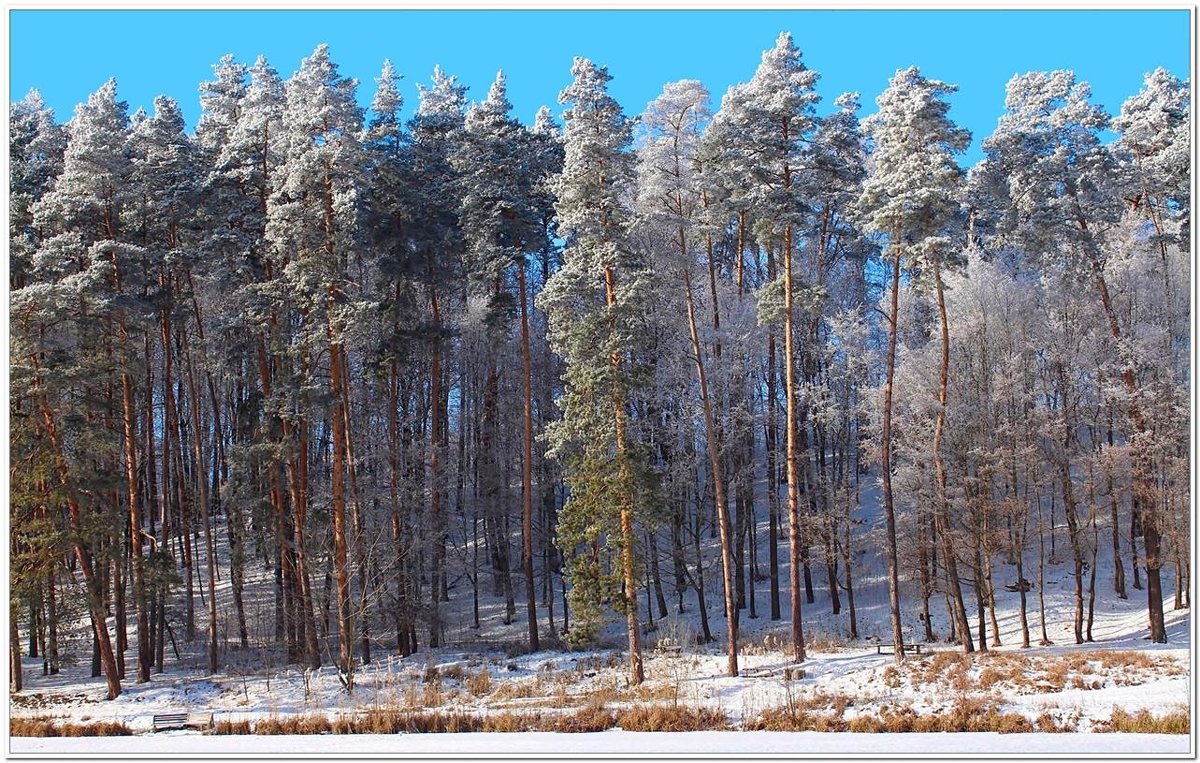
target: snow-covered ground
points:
(1072, 686)
(554, 746)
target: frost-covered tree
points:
(1155, 143)
(384, 200)
(36, 144)
(771, 119)
(77, 269)
(834, 262)
(1057, 181)
(35, 155)
(237, 138)
(312, 221)
(910, 198)
(670, 198)
(163, 190)
(593, 303)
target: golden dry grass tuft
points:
(1143, 722)
(817, 712)
(672, 718)
(47, 727)
(480, 683)
(594, 716)
(968, 714)
(233, 727)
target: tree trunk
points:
(716, 473)
(338, 488)
(94, 589)
(202, 499)
(52, 656)
(435, 476)
(129, 415)
(15, 672)
(793, 472)
(1143, 478)
(941, 504)
(701, 596)
(628, 539)
(885, 445)
(527, 463)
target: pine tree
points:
(910, 197)
(36, 145)
(35, 154)
(1155, 143)
(592, 304)
(435, 242)
(164, 183)
(78, 259)
(772, 118)
(384, 203)
(313, 220)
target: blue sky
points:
(68, 54)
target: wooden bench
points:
(914, 648)
(173, 721)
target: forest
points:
(602, 368)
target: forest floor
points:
(482, 681)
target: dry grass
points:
(1142, 722)
(968, 714)
(1032, 673)
(232, 727)
(1048, 724)
(824, 642)
(665, 691)
(46, 727)
(519, 689)
(672, 718)
(770, 642)
(377, 721)
(818, 712)
(432, 695)
(594, 716)
(891, 677)
(480, 683)
(950, 668)
(1109, 659)
(512, 722)
(607, 689)
(294, 724)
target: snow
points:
(642, 743)
(255, 684)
